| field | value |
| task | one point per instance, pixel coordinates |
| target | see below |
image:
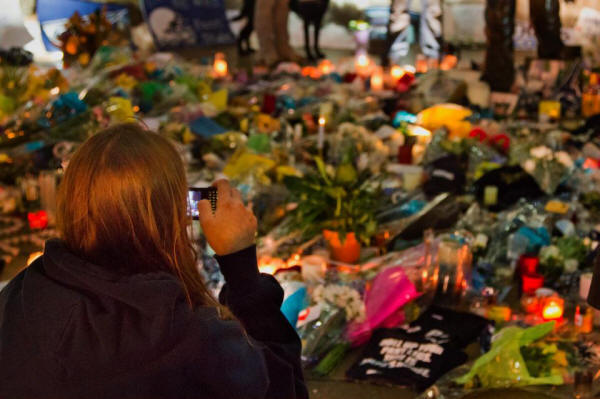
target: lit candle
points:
(37, 220)
(326, 67)
(220, 68)
(377, 81)
(531, 282)
(553, 308)
(490, 195)
(321, 136)
(397, 72)
(362, 64)
(448, 62)
(269, 265)
(530, 304)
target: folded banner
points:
(176, 23)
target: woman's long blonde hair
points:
(122, 204)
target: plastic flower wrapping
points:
(523, 357)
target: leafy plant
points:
(572, 247)
(338, 199)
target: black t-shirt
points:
(418, 354)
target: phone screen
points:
(195, 195)
(193, 198)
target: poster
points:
(183, 23)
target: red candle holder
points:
(531, 282)
(528, 264)
(37, 220)
(530, 304)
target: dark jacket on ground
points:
(71, 329)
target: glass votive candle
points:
(553, 308)
(531, 282)
(530, 304)
(528, 264)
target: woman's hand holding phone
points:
(232, 227)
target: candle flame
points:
(326, 67)
(362, 60)
(553, 310)
(321, 121)
(397, 72)
(220, 65)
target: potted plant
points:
(338, 201)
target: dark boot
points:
(545, 19)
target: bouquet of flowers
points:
(548, 168)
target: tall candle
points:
(397, 72)
(220, 68)
(585, 281)
(321, 136)
(377, 81)
(362, 64)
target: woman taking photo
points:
(116, 307)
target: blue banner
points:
(184, 23)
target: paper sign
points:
(184, 23)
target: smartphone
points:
(197, 194)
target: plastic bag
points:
(504, 365)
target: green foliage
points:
(591, 201)
(334, 201)
(572, 247)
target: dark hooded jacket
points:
(72, 329)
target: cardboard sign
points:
(184, 23)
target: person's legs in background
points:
(282, 37)
(398, 32)
(430, 30)
(545, 18)
(264, 21)
(499, 68)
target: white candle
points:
(490, 195)
(412, 179)
(321, 136)
(297, 132)
(377, 81)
